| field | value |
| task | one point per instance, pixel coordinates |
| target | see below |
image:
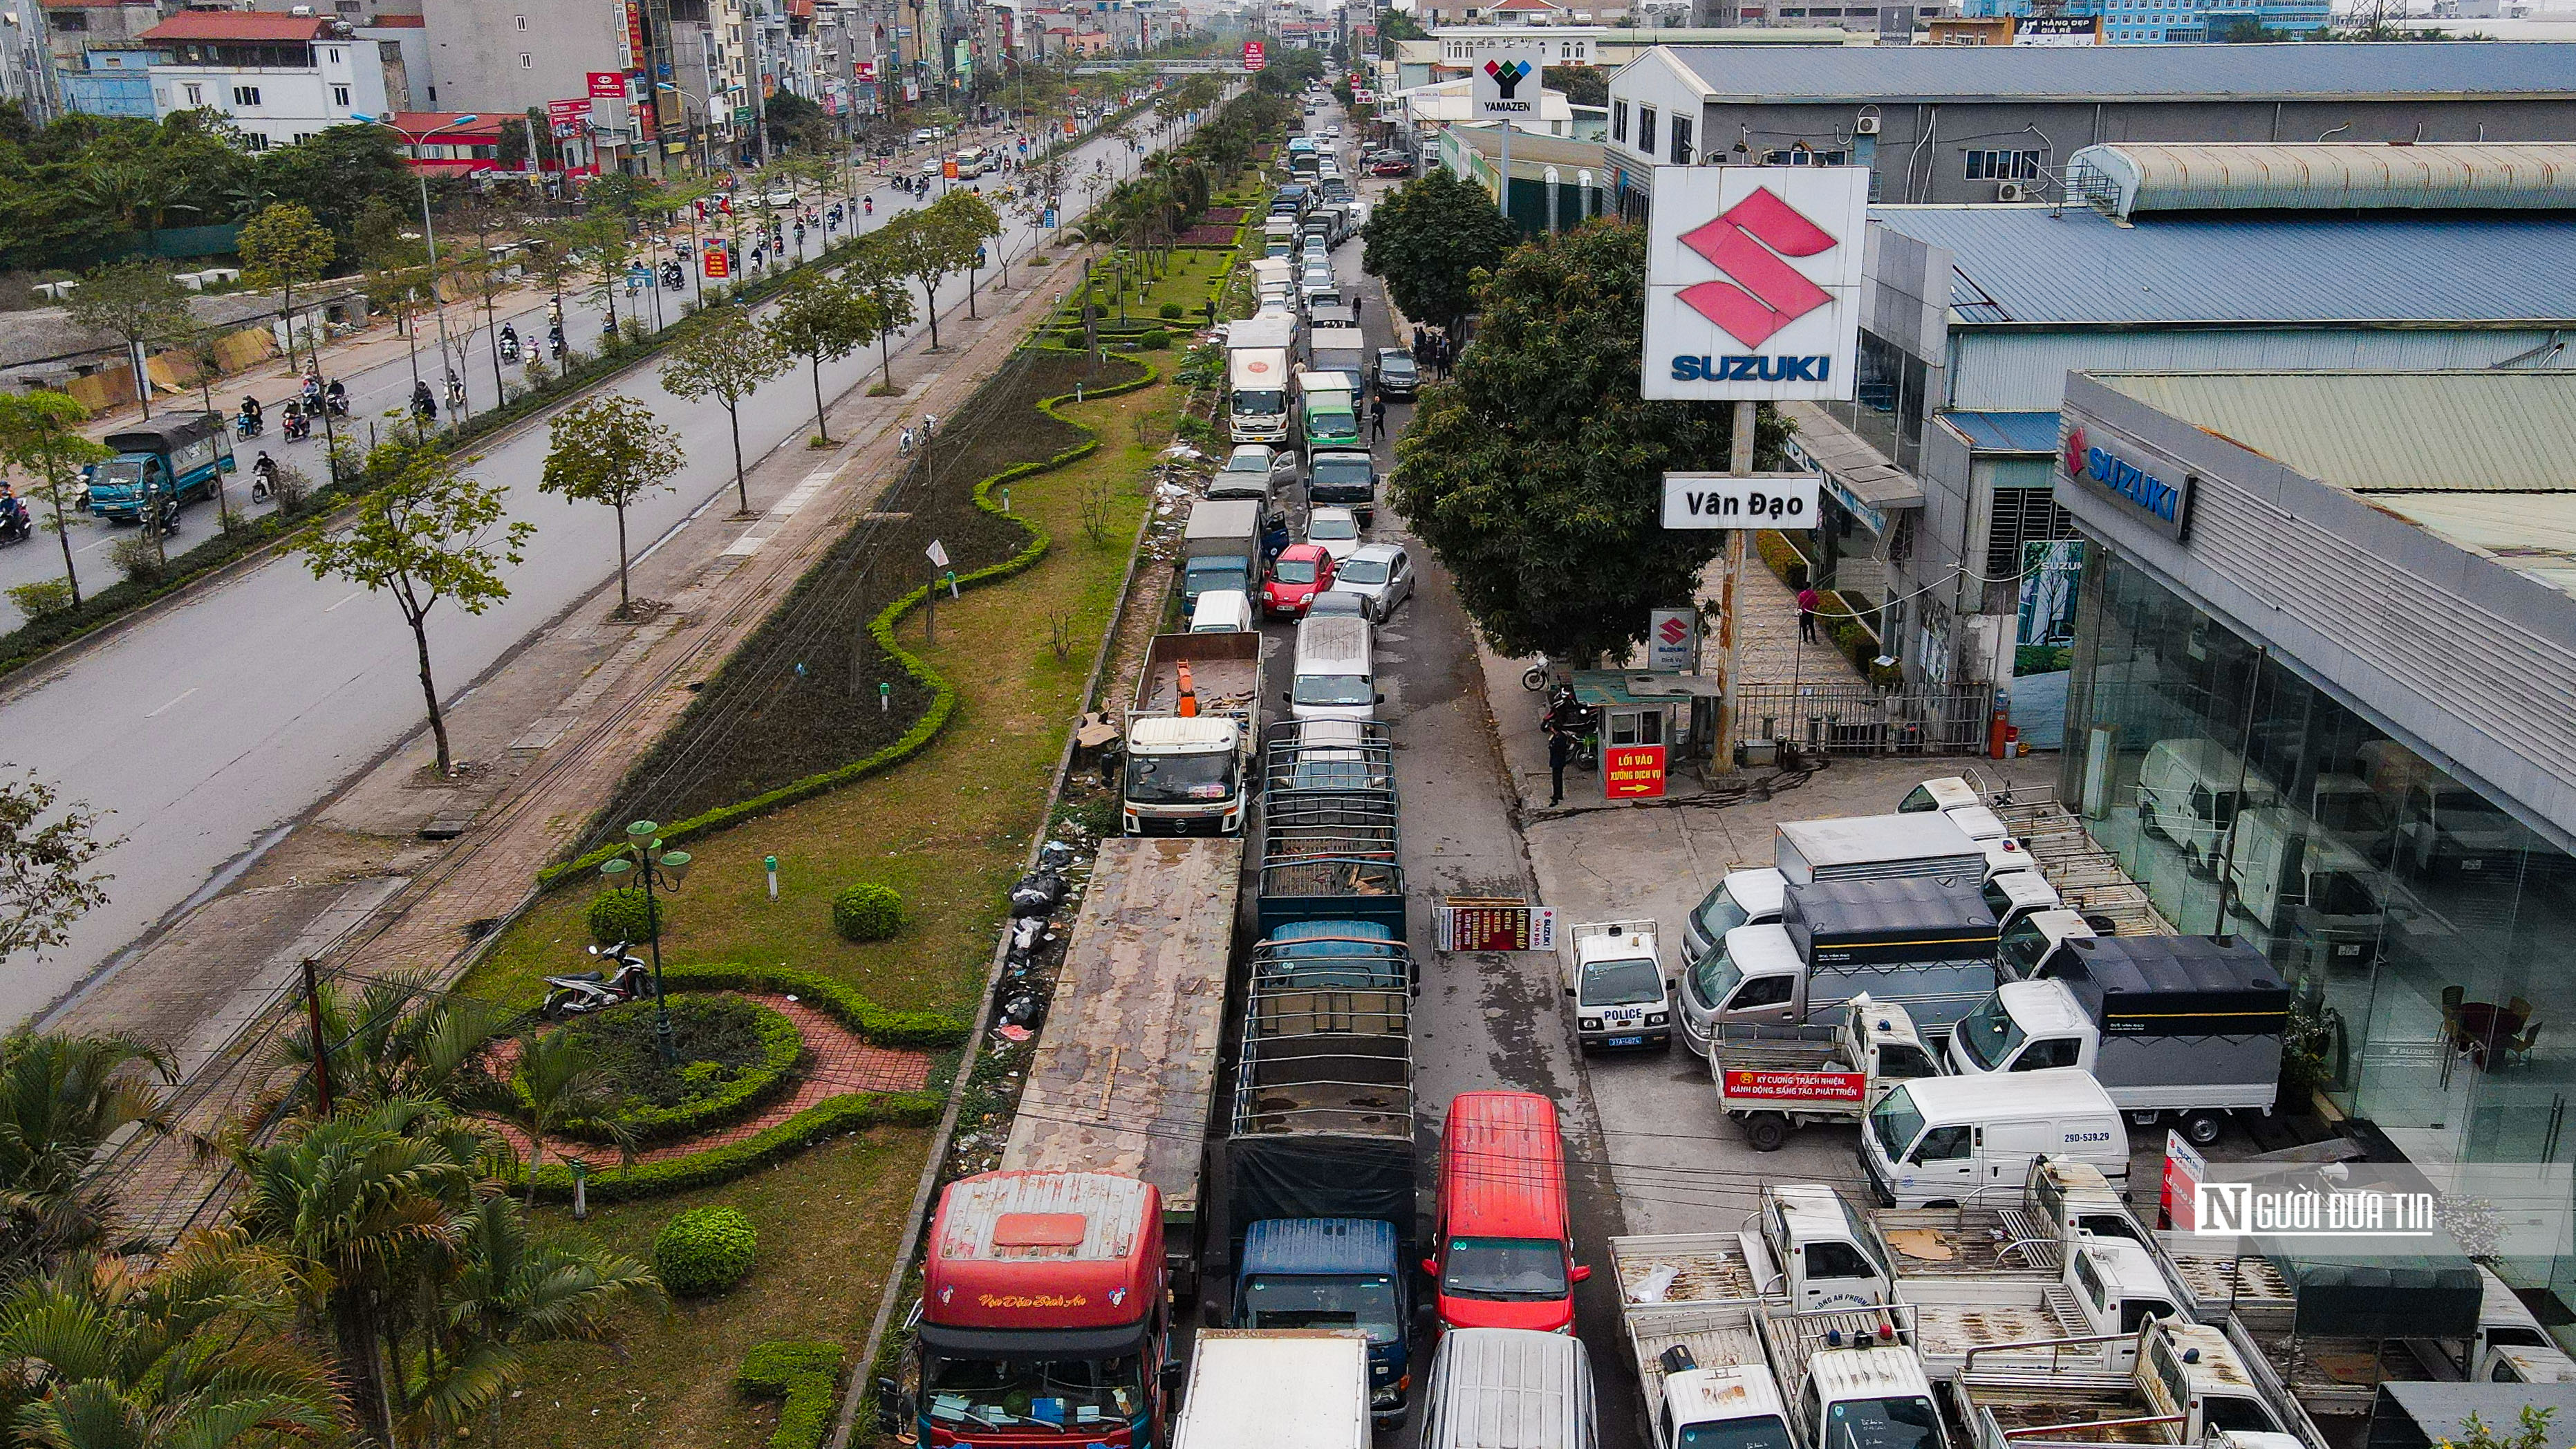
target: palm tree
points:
(200, 1353)
(557, 1082)
(394, 1037)
(61, 1099)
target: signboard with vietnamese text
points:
(1632, 772)
(607, 85)
(1478, 923)
(1750, 500)
(1816, 1087)
(948, 168)
(567, 118)
(718, 265)
(1255, 57)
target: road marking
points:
(352, 595)
(183, 694)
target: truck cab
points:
(1864, 1390)
(2015, 894)
(1949, 792)
(1185, 775)
(2034, 943)
(1332, 1273)
(1615, 980)
(1735, 1405)
(2023, 1027)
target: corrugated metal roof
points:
(2038, 264)
(2345, 71)
(2489, 431)
(2005, 432)
(2534, 534)
(2141, 176)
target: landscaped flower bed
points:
(735, 1057)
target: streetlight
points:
(429, 231)
(706, 126)
(643, 857)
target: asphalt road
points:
(206, 728)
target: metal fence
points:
(1854, 719)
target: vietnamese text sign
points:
(1731, 500)
(1842, 1087)
(718, 265)
(1632, 772)
(2180, 1187)
(1468, 923)
(1255, 57)
(1753, 278)
(1505, 86)
(607, 85)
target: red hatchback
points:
(1301, 571)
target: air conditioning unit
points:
(1865, 126)
(2012, 191)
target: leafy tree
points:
(283, 247)
(137, 302)
(393, 1037)
(926, 247)
(335, 172)
(1537, 476)
(624, 194)
(608, 449)
(727, 360)
(877, 272)
(63, 1098)
(824, 320)
(1584, 85)
(598, 247)
(971, 222)
(1428, 239)
(37, 439)
(45, 878)
(427, 534)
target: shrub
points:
(736, 1057)
(802, 1374)
(1154, 339)
(622, 914)
(832, 1117)
(879, 1026)
(293, 488)
(705, 1250)
(867, 912)
(44, 596)
(1171, 311)
(139, 559)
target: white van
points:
(1336, 672)
(1509, 1388)
(1222, 611)
(1963, 1140)
(2189, 791)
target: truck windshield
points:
(1895, 1123)
(1882, 1424)
(1365, 1301)
(1766, 1432)
(1719, 914)
(2024, 944)
(1989, 1035)
(1334, 689)
(1180, 779)
(1204, 574)
(1039, 1395)
(1259, 402)
(1339, 472)
(120, 473)
(1504, 1268)
(1622, 983)
(1715, 975)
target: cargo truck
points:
(1327, 411)
(1341, 351)
(1337, 756)
(181, 455)
(1802, 1246)
(1220, 547)
(1873, 846)
(1330, 856)
(2086, 1318)
(2187, 1027)
(2224, 1279)
(2188, 1387)
(1769, 1086)
(1757, 1376)
(1275, 1388)
(1124, 1076)
(1924, 943)
(1190, 733)
(1256, 407)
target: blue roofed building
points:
(2149, 22)
(1939, 509)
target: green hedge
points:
(760, 1084)
(621, 913)
(943, 701)
(836, 1117)
(867, 912)
(802, 1373)
(875, 1024)
(705, 1251)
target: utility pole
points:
(321, 1048)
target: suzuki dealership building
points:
(2323, 693)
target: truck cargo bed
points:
(1225, 673)
(1968, 1243)
(1716, 1338)
(1708, 1267)
(2220, 1283)
(2055, 1406)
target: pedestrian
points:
(1377, 418)
(1355, 306)
(1808, 598)
(1560, 750)
(1421, 344)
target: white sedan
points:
(1336, 530)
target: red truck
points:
(1044, 1314)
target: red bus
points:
(1505, 1254)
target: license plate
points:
(1625, 1041)
(2351, 950)
(2473, 865)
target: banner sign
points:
(2178, 1193)
(1473, 923)
(607, 85)
(1753, 277)
(1761, 1086)
(1632, 772)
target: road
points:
(206, 728)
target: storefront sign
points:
(567, 118)
(1726, 500)
(607, 85)
(1632, 772)
(1471, 923)
(1672, 638)
(2179, 1191)
(1753, 278)
(2161, 504)
(2054, 31)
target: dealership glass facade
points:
(2433, 931)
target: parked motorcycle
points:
(584, 992)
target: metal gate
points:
(1855, 719)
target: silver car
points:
(1381, 574)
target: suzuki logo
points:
(1674, 631)
(1507, 76)
(1746, 243)
(2075, 452)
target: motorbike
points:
(584, 992)
(247, 425)
(296, 428)
(455, 392)
(15, 525)
(510, 349)
(263, 480)
(336, 402)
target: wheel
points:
(1766, 1131)
(1534, 678)
(2200, 1129)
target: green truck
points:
(1328, 412)
(181, 455)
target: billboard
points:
(1254, 56)
(1506, 86)
(607, 85)
(1753, 278)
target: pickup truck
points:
(1190, 734)
(1715, 1375)
(1802, 1246)
(2085, 1318)
(2188, 1386)
(1769, 1086)
(1616, 983)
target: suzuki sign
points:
(1753, 278)
(1505, 87)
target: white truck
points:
(1339, 349)
(1256, 399)
(1802, 1247)
(1190, 734)
(1615, 983)
(2181, 1026)
(1864, 847)
(1770, 1086)
(1275, 1388)
(2187, 1387)
(2086, 1317)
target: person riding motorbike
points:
(336, 399)
(312, 392)
(250, 410)
(509, 344)
(870, 203)
(423, 405)
(248, 423)
(14, 522)
(297, 425)
(263, 478)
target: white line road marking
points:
(351, 595)
(183, 694)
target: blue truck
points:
(181, 455)
(1320, 1201)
